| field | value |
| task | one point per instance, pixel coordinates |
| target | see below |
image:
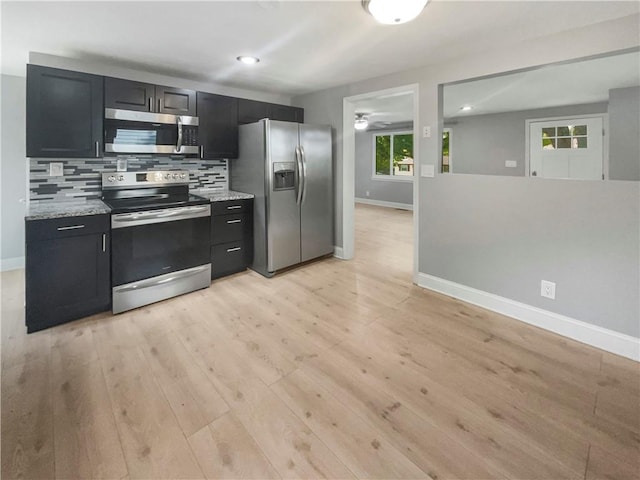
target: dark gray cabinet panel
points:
(218, 131)
(64, 113)
(250, 111)
(231, 237)
(146, 97)
(67, 270)
(128, 95)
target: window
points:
(393, 156)
(446, 150)
(566, 136)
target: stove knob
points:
(120, 178)
(176, 176)
(167, 176)
(183, 175)
(111, 178)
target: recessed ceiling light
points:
(248, 60)
(466, 108)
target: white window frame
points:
(391, 178)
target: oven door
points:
(151, 243)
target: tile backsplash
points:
(82, 177)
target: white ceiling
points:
(304, 46)
(575, 83)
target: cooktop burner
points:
(138, 191)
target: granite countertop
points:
(222, 195)
(65, 208)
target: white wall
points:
(13, 172)
(482, 224)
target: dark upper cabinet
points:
(146, 97)
(64, 113)
(218, 130)
(128, 95)
(67, 273)
(178, 101)
(250, 111)
(286, 113)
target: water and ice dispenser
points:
(284, 175)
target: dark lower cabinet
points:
(231, 236)
(67, 269)
(218, 130)
(64, 113)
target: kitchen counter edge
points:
(222, 195)
(45, 210)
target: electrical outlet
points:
(548, 289)
(55, 169)
(367, 193)
(426, 132)
(510, 163)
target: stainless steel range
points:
(160, 237)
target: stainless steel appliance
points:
(128, 131)
(288, 167)
(160, 237)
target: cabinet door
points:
(66, 279)
(64, 113)
(286, 113)
(177, 101)
(128, 95)
(250, 111)
(218, 131)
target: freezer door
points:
(283, 212)
(317, 191)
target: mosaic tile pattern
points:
(82, 177)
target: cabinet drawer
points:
(66, 227)
(231, 206)
(229, 228)
(229, 258)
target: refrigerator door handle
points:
(299, 172)
(303, 161)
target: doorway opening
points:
(380, 162)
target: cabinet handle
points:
(201, 151)
(234, 207)
(104, 242)
(150, 104)
(159, 105)
(229, 250)
(234, 221)
(97, 148)
(72, 227)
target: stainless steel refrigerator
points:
(288, 167)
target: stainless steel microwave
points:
(130, 132)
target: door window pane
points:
(564, 132)
(581, 142)
(580, 130)
(549, 132)
(564, 143)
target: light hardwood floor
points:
(332, 370)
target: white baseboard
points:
(380, 203)
(338, 252)
(11, 263)
(605, 339)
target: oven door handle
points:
(167, 278)
(123, 220)
(179, 144)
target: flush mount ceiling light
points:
(466, 108)
(248, 60)
(361, 122)
(394, 12)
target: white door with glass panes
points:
(570, 148)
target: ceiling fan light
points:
(361, 122)
(394, 12)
